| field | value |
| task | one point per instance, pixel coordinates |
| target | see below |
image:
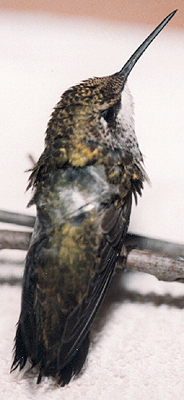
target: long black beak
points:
(138, 53)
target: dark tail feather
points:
(25, 342)
(20, 355)
(64, 375)
(73, 368)
(76, 364)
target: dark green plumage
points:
(83, 185)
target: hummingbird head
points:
(98, 112)
(101, 109)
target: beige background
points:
(142, 11)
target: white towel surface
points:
(137, 341)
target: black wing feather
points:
(114, 225)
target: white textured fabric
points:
(137, 341)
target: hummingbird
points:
(83, 185)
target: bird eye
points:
(109, 115)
